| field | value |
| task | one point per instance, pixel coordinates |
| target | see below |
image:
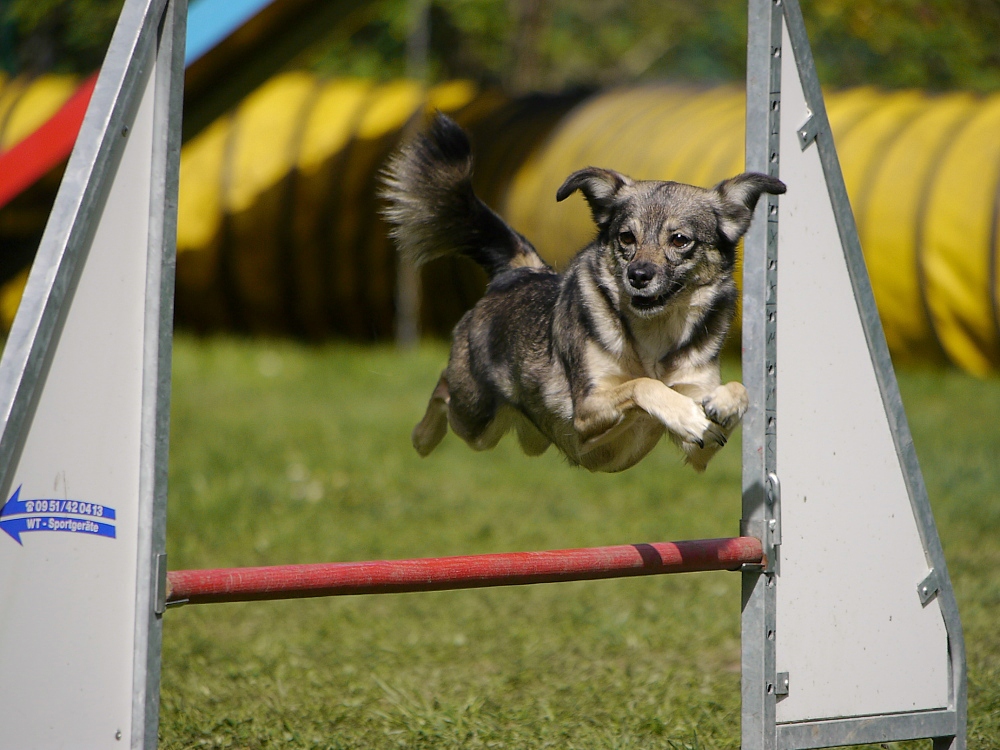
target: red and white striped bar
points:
(465, 572)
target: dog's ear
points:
(599, 187)
(738, 197)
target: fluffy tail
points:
(427, 185)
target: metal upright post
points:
(761, 511)
(850, 476)
(168, 92)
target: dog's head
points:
(661, 238)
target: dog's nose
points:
(640, 274)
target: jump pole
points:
(850, 629)
(462, 572)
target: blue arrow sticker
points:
(29, 518)
(17, 526)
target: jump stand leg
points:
(850, 631)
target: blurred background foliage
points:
(549, 45)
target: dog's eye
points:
(626, 238)
(679, 240)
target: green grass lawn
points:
(283, 454)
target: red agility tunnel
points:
(466, 572)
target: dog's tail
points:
(434, 212)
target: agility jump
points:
(844, 579)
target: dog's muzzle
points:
(649, 288)
(646, 304)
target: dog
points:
(607, 356)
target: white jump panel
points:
(851, 631)
(84, 394)
(68, 583)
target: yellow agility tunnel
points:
(279, 229)
(26, 103)
(922, 171)
(278, 217)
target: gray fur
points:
(607, 356)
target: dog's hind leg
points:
(485, 434)
(626, 420)
(434, 426)
(532, 441)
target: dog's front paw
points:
(727, 404)
(691, 425)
